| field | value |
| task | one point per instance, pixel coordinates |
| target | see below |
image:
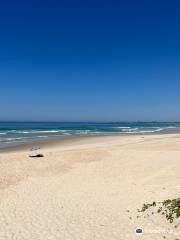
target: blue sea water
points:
(22, 132)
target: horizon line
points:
(41, 121)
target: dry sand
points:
(89, 189)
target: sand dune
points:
(90, 189)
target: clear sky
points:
(90, 60)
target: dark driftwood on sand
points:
(36, 155)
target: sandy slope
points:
(89, 189)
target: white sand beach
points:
(89, 189)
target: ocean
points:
(25, 132)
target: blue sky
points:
(90, 60)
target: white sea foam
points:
(26, 132)
(47, 131)
(35, 131)
(42, 136)
(144, 131)
(82, 131)
(17, 132)
(122, 127)
(129, 130)
(14, 139)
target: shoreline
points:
(71, 140)
(13, 135)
